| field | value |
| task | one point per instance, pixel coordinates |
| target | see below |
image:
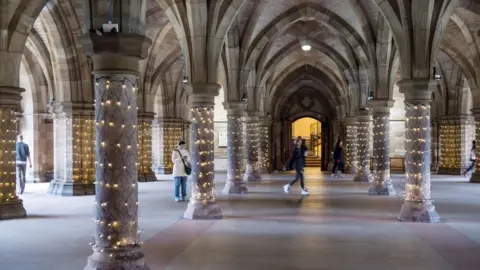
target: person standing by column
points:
(298, 163)
(22, 155)
(180, 159)
(337, 159)
(473, 158)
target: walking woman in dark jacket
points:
(297, 162)
(337, 159)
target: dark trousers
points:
(337, 165)
(298, 177)
(180, 183)
(471, 167)
(21, 179)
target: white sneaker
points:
(286, 188)
(305, 192)
(334, 175)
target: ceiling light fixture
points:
(305, 46)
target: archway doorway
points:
(310, 129)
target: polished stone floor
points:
(337, 227)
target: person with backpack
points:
(181, 170)
(297, 162)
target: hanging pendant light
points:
(305, 46)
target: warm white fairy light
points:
(116, 124)
(252, 132)
(351, 158)
(235, 183)
(165, 138)
(144, 147)
(450, 141)
(7, 161)
(83, 143)
(263, 156)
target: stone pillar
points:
(203, 204)
(166, 135)
(264, 145)
(417, 206)
(363, 137)
(435, 146)
(74, 156)
(252, 140)
(145, 160)
(351, 156)
(10, 205)
(455, 140)
(115, 59)
(475, 176)
(381, 184)
(235, 183)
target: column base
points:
(232, 187)
(253, 176)
(147, 177)
(363, 177)
(351, 170)
(12, 209)
(475, 178)
(418, 212)
(61, 188)
(119, 260)
(449, 171)
(199, 210)
(386, 190)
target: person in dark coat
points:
(337, 159)
(297, 162)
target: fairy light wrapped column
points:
(145, 161)
(456, 141)
(435, 146)
(418, 205)
(115, 61)
(475, 177)
(252, 140)
(264, 145)
(203, 204)
(351, 155)
(235, 184)
(381, 184)
(363, 138)
(10, 205)
(166, 135)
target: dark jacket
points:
(297, 161)
(337, 154)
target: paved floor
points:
(337, 227)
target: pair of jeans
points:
(471, 167)
(180, 183)
(298, 177)
(336, 165)
(21, 179)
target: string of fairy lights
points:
(252, 131)
(202, 136)
(264, 160)
(381, 149)
(116, 204)
(172, 134)
(7, 154)
(450, 140)
(351, 160)
(144, 146)
(417, 158)
(83, 143)
(235, 146)
(363, 150)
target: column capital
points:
(381, 106)
(10, 96)
(417, 90)
(146, 116)
(453, 119)
(80, 109)
(476, 113)
(363, 115)
(253, 114)
(235, 107)
(203, 94)
(116, 53)
(350, 120)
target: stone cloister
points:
(397, 81)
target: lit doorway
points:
(310, 129)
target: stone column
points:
(264, 145)
(363, 137)
(10, 205)
(435, 146)
(381, 184)
(351, 156)
(475, 176)
(74, 156)
(417, 206)
(115, 59)
(145, 161)
(235, 184)
(203, 204)
(252, 140)
(456, 141)
(166, 135)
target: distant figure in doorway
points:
(297, 161)
(22, 155)
(180, 159)
(337, 159)
(473, 158)
(299, 138)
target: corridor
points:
(337, 227)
